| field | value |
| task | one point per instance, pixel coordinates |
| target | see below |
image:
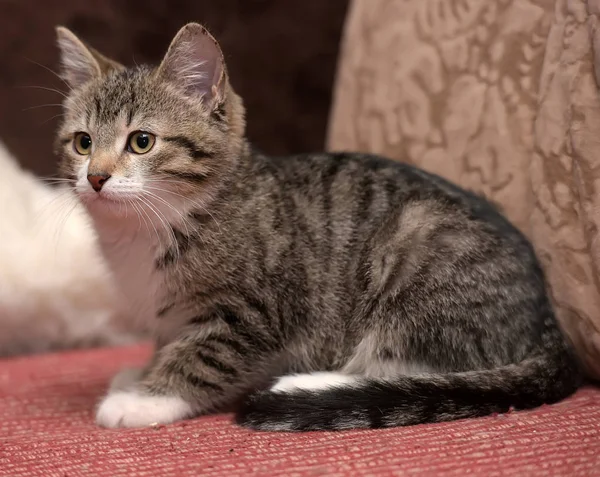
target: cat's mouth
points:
(99, 198)
(105, 203)
(117, 200)
(106, 196)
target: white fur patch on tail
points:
(312, 382)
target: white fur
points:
(131, 239)
(55, 288)
(131, 255)
(132, 409)
(313, 382)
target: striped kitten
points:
(383, 295)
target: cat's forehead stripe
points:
(118, 96)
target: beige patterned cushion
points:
(501, 97)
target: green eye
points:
(82, 143)
(140, 142)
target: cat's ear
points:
(79, 62)
(194, 63)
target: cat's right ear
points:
(79, 62)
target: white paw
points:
(312, 382)
(133, 409)
(125, 378)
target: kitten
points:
(55, 290)
(387, 295)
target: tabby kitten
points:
(385, 295)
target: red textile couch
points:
(47, 429)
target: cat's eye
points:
(140, 142)
(82, 143)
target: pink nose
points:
(98, 180)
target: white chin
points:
(98, 204)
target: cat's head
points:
(146, 137)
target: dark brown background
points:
(281, 56)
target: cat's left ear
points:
(79, 62)
(194, 63)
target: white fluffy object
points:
(55, 288)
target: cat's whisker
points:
(144, 201)
(63, 222)
(55, 184)
(62, 196)
(49, 105)
(204, 209)
(45, 88)
(168, 181)
(149, 222)
(192, 202)
(65, 206)
(168, 229)
(137, 213)
(56, 180)
(163, 220)
(51, 118)
(55, 175)
(184, 220)
(142, 213)
(47, 68)
(158, 189)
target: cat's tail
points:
(332, 401)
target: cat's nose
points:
(98, 180)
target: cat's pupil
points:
(142, 141)
(85, 142)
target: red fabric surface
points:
(47, 429)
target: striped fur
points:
(419, 298)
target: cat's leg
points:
(126, 378)
(203, 370)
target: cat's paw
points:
(134, 409)
(126, 378)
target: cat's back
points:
(372, 186)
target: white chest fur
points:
(131, 254)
